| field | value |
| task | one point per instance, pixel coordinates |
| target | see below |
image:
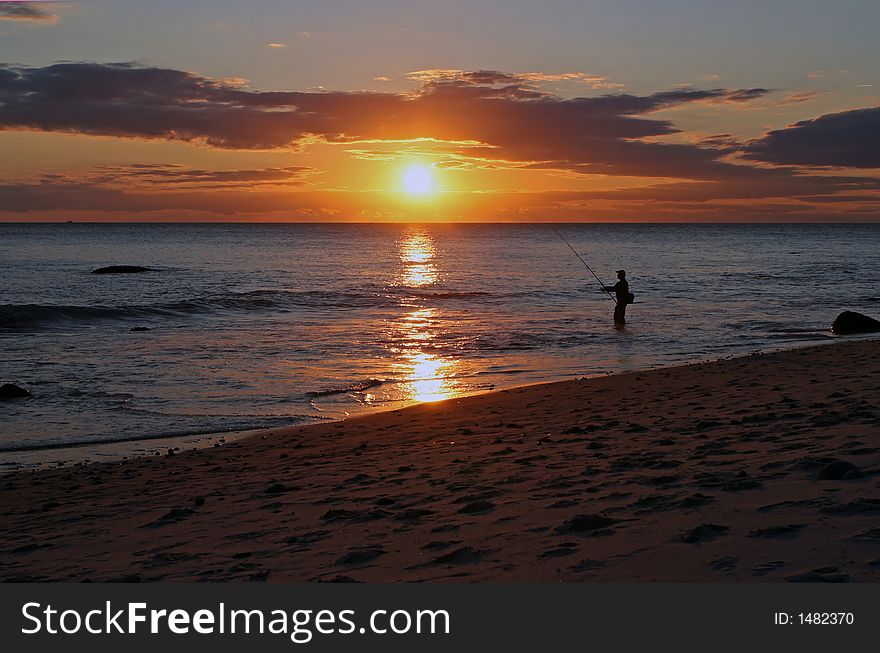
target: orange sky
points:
(92, 140)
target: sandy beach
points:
(721, 471)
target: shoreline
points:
(47, 456)
(698, 472)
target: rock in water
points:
(850, 322)
(839, 470)
(121, 269)
(12, 391)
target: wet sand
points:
(762, 468)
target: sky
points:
(486, 110)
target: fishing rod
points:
(602, 285)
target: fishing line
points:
(602, 285)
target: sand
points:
(707, 472)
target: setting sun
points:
(418, 180)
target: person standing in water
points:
(621, 291)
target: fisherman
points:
(624, 297)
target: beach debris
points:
(703, 533)
(121, 269)
(12, 391)
(850, 322)
(839, 470)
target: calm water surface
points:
(266, 325)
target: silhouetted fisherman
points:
(624, 297)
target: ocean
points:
(261, 325)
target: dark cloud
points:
(36, 12)
(746, 94)
(483, 119)
(848, 139)
(178, 176)
(494, 113)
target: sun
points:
(418, 180)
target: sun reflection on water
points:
(427, 375)
(416, 255)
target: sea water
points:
(256, 325)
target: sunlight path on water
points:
(427, 375)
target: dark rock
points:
(839, 470)
(12, 391)
(850, 322)
(121, 269)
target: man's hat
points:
(621, 272)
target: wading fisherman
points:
(621, 288)
(624, 297)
